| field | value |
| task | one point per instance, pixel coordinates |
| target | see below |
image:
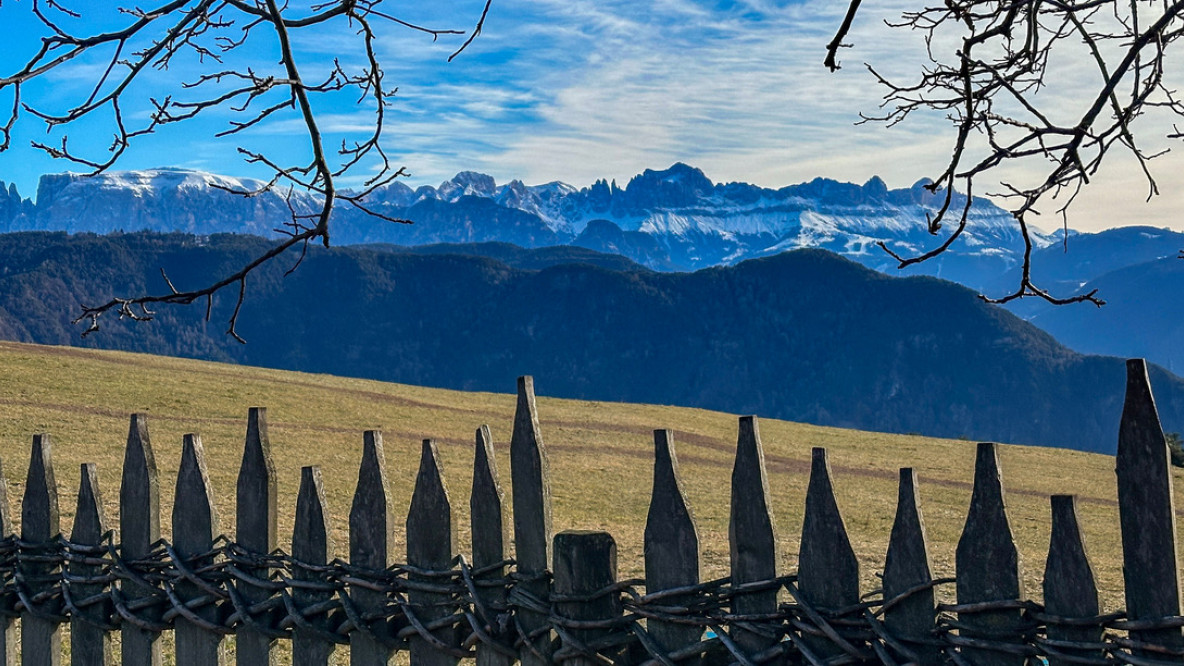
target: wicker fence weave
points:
(559, 601)
(858, 630)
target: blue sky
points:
(577, 90)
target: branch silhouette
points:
(219, 36)
(996, 86)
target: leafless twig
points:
(995, 90)
(217, 34)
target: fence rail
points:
(558, 600)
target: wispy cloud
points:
(583, 89)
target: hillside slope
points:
(1142, 316)
(806, 335)
(600, 455)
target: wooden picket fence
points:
(558, 599)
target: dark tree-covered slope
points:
(805, 335)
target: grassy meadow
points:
(599, 453)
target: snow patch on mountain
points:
(672, 219)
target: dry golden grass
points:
(599, 453)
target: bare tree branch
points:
(995, 89)
(216, 33)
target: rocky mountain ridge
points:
(673, 219)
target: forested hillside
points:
(806, 336)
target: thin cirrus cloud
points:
(606, 89)
(578, 90)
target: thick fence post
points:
(671, 546)
(912, 619)
(531, 487)
(828, 573)
(988, 567)
(195, 525)
(7, 625)
(430, 537)
(1070, 592)
(369, 548)
(585, 570)
(90, 644)
(139, 529)
(753, 551)
(489, 527)
(310, 546)
(255, 528)
(1146, 511)
(41, 637)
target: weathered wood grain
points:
(1070, 590)
(671, 544)
(255, 528)
(370, 537)
(41, 639)
(8, 639)
(753, 546)
(311, 546)
(988, 564)
(430, 538)
(1146, 510)
(490, 531)
(828, 573)
(195, 526)
(906, 567)
(90, 644)
(585, 564)
(531, 488)
(139, 528)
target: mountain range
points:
(671, 220)
(804, 335)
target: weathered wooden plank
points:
(430, 538)
(139, 528)
(671, 544)
(490, 534)
(1146, 510)
(310, 545)
(1070, 590)
(585, 564)
(753, 550)
(8, 637)
(41, 639)
(370, 538)
(531, 487)
(195, 525)
(90, 644)
(906, 567)
(988, 565)
(828, 573)
(255, 528)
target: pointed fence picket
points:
(41, 634)
(83, 593)
(671, 550)
(255, 528)
(558, 600)
(312, 640)
(753, 547)
(138, 602)
(370, 536)
(910, 610)
(990, 587)
(490, 533)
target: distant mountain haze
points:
(804, 335)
